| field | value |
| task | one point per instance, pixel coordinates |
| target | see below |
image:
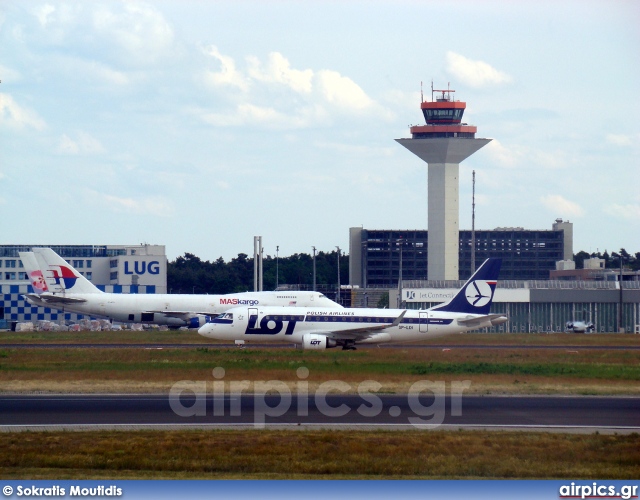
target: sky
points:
(199, 125)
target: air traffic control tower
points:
(443, 143)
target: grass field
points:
(191, 337)
(267, 454)
(498, 371)
(252, 454)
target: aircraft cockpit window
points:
(225, 316)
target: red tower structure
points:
(444, 118)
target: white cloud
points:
(257, 115)
(140, 30)
(475, 73)
(503, 156)
(619, 139)
(228, 74)
(151, 205)
(341, 91)
(516, 156)
(107, 75)
(15, 116)
(318, 95)
(94, 71)
(43, 13)
(84, 144)
(561, 206)
(278, 70)
(629, 211)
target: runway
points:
(369, 411)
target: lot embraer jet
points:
(57, 285)
(320, 328)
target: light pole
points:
(314, 268)
(338, 248)
(620, 315)
(400, 276)
(277, 274)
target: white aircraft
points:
(320, 328)
(57, 285)
(579, 327)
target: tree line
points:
(611, 260)
(190, 274)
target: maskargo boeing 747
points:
(57, 285)
(320, 328)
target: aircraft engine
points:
(317, 342)
(197, 321)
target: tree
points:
(188, 273)
(579, 259)
(383, 303)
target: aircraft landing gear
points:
(349, 345)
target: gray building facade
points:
(382, 257)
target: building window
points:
(113, 276)
(113, 263)
(78, 264)
(89, 274)
(10, 263)
(22, 276)
(9, 276)
(88, 264)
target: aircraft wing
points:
(182, 314)
(485, 321)
(361, 332)
(54, 299)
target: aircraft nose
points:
(203, 330)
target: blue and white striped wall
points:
(16, 308)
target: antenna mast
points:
(473, 224)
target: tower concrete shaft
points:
(443, 156)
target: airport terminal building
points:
(112, 268)
(382, 257)
(541, 305)
(395, 262)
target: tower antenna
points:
(473, 224)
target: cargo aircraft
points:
(320, 328)
(57, 285)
